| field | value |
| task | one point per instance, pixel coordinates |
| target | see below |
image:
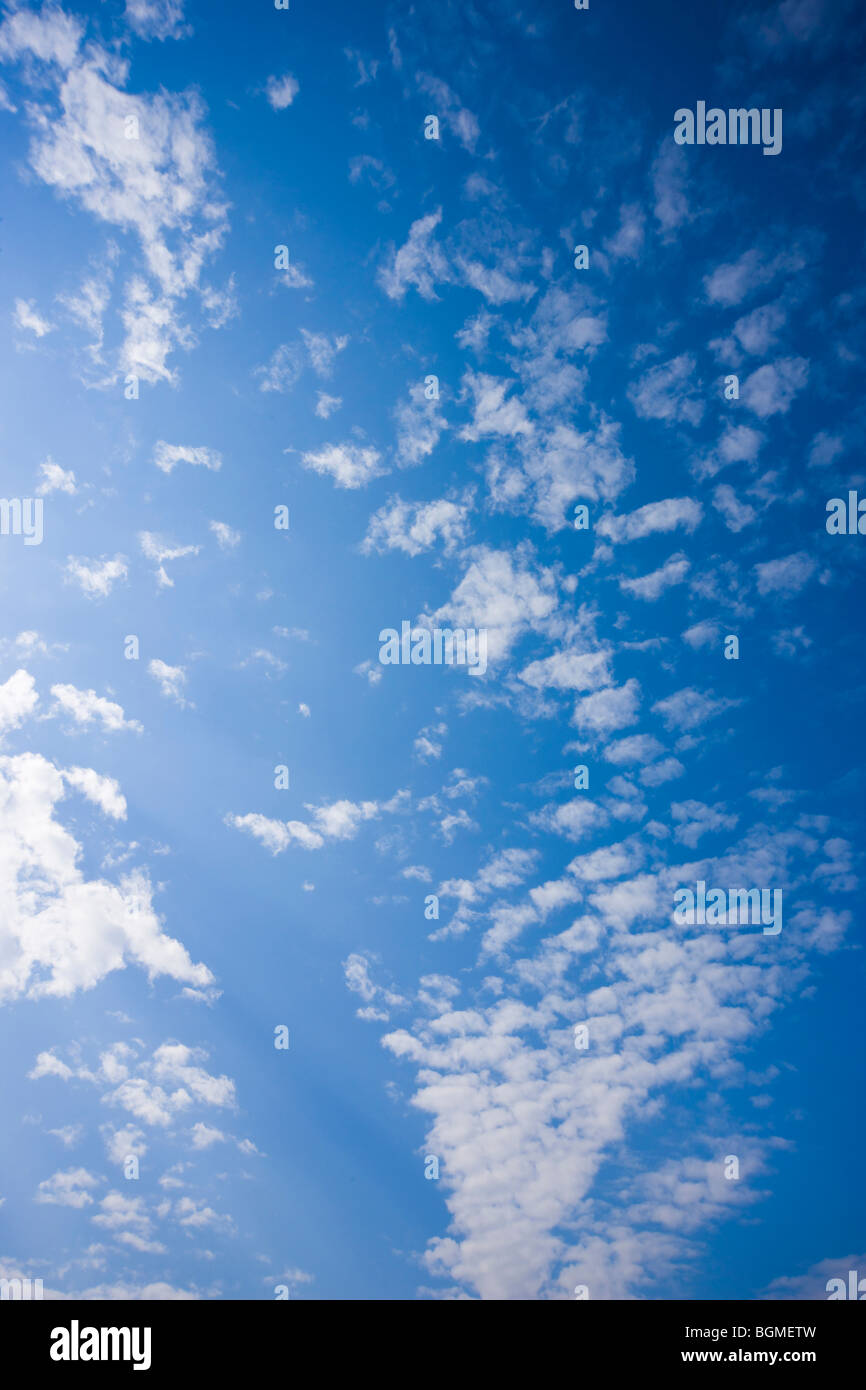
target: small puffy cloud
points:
(283, 370)
(326, 405)
(501, 593)
(158, 549)
(736, 514)
(659, 773)
(85, 707)
(322, 351)
(95, 578)
(281, 91)
(419, 424)
(734, 281)
(825, 449)
(786, 576)
(18, 700)
(171, 679)
(378, 998)
(654, 517)
(772, 388)
(628, 240)
(121, 1143)
(350, 465)
(651, 586)
(203, 1136)
(689, 708)
(276, 835)
(104, 792)
(695, 819)
(420, 262)
(28, 320)
(53, 478)
(492, 413)
(573, 819)
(416, 527)
(636, 748)
(47, 1064)
(69, 1189)
(168, 456)
(227, 537)
(668, 392)
(157, 19)
(608, 710)
(567, 670)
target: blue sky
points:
(165, 907)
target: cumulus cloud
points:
(96, 578)
(77, 930)
(350, 465)
(168, 456)
(416, 527)
(281, 91)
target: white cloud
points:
(737, 514)
(18, 700)
(76, 930)
(689, 708)
(157, 19)
(420, 262)
(171, 680)
(227, 537)
(104, 792)
(323, 351)
(608, 710)
(669, 392)
(651, 586)
(85, 707)
(772, 388)
(654, 517)
(168, 456)
(281, 91)
(53, 478)
(96, 578)
(416, 527)
(350, 465)
(203, 1136)
(141, 163)
(283, 370)
(159, 549)
(276, 835)
(419, 424)
(69, 1189)
(786, 576)
(326, 405)
(492, 413)
(501, 592)
(27, 318)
